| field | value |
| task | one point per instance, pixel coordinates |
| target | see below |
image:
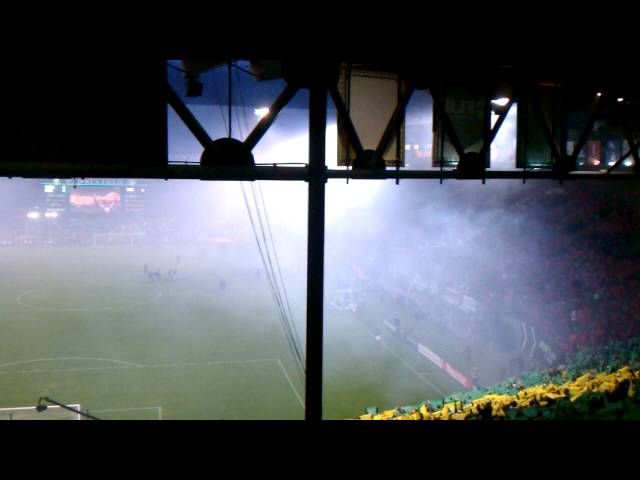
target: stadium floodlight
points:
(628, 162)
(261, 112)
(33, 215)
(599, 94)
(620, 99)
(51, 214)
(501, 102)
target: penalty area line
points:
(290, 382)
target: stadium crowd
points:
(584, 276)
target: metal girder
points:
(394, 122)
(494, 131)
(629, 153)
(173, 172)
(440, 110)
(187, 117)
(275, 173)
(265, 122)
(534, 101)
(587, 128)
(352, 135)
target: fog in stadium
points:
(484, 281)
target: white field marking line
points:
(159, 413)
(404, 362)
(19, 301)
(124, 409)
(73, 405)
(59, 370)
(159, 365)
(290, 382)
(214, 362)
(35, 360)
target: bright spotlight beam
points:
(261, 112)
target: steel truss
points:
(316, 173)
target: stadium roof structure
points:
(119, 122)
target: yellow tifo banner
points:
(525, 398)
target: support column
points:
(315, 251)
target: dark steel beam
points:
(265, 122)
(187, 117)
(177, 172)
(315, 251)
(586, 130)
(195, 172)
(496, 128)
(343, 115)
(439, 109)
(392, 174)
(537, 111)
(622, 159)
(633, 147)
(394, 122)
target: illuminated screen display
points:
(95, 196)
(96, 199)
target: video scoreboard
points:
(99, 196)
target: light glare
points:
(500, 101)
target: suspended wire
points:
(275, 254)
(178, 68)
(262, 253)
(280, 291)
(287, 330)
(289, 326)
(289, 317)
(244, 70)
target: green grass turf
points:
(83, 325)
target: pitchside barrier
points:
(472, 310)
(432, 357)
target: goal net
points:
(30, 413)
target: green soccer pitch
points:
(84, 325)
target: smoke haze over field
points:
(557, 258)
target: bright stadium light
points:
(628, 162)
(599, 94)
(51, 214)
(260, 112)
(33, 215)
(501, 102)
(620, 99)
